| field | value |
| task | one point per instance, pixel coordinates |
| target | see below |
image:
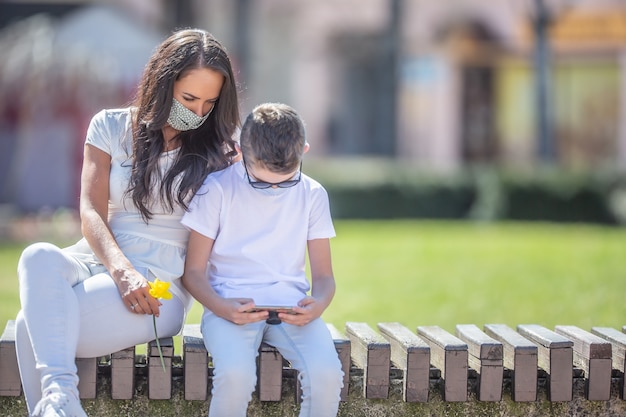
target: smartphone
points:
(277, 308)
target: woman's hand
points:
(134, 289)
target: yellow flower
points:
(159, 289)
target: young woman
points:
(141, 167)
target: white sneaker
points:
(57, 404)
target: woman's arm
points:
(94, 198)
(197, 283)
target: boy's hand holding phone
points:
(238, 311)
(305, 312)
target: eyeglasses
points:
(264, 184)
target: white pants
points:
(234, 349)
(70, 311)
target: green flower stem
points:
(157, 342)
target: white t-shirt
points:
(161, 244)
(260, 235)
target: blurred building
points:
(439, 85)
(61, 64)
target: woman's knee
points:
(45, 263)
(40, 255)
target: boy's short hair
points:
(273, 136)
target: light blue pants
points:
(69, 312)
(234, 349)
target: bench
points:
(520, 357)
(391, 371)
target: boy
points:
(251, 226)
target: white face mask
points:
(183, 119)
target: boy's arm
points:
(322, 277)
(197, 283)
(322, 285)
(196, 262)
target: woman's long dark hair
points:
(203, 150)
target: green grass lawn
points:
(432, 273)
(9, 298)
(447, 273)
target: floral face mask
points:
(183, 119)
